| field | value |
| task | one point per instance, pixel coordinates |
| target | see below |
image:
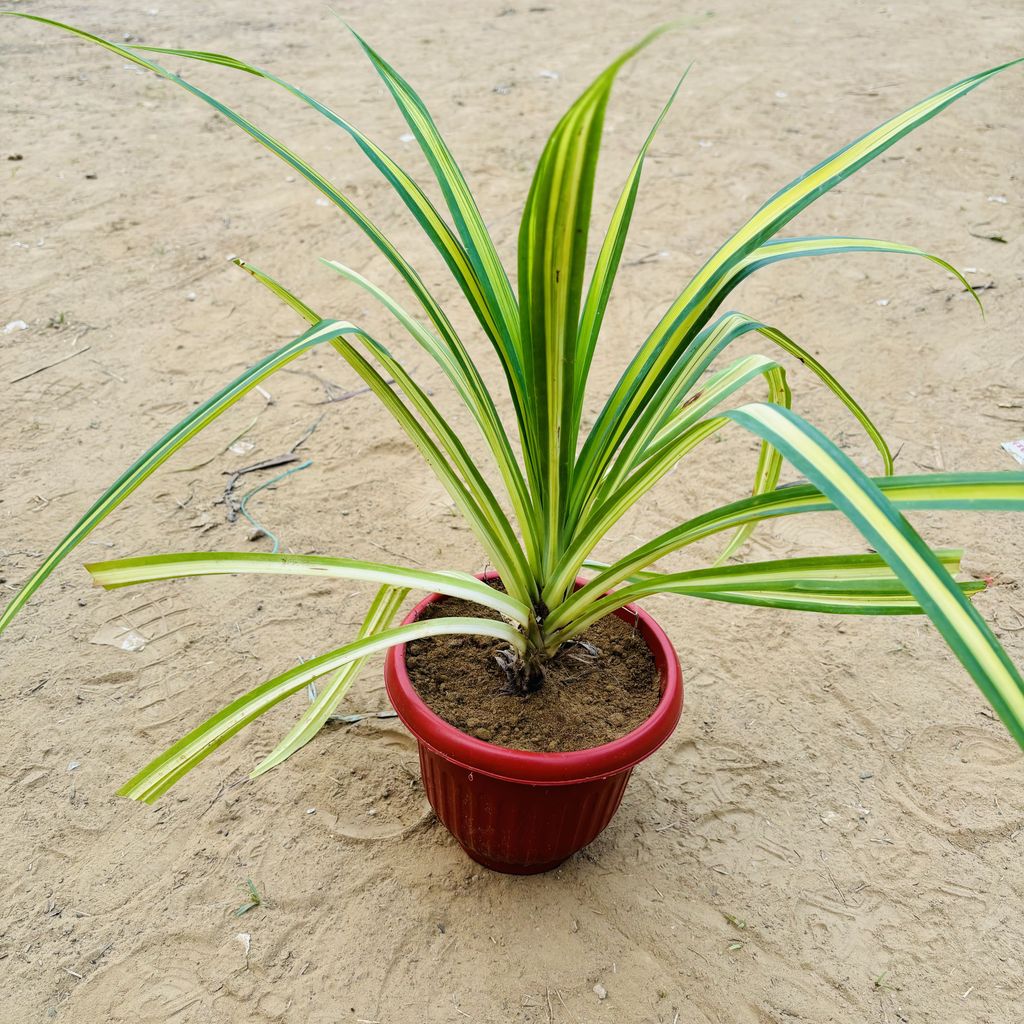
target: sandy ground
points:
(835, 832)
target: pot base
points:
(514, 869)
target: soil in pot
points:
(587, 698)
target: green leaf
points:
(469, 491)
(460, 201)
(698, 301)
(625, 485)
(202, 416)
(607, 266)
(675, 357)
(979, 492)
(471, 388)
(684, 375)
(770, 462)
(433, 310)
(787, 572)
(866, 506)
(160, 774)
(552, 259)
(379, 617)
(474, 498)
(480, 296)
(781, 249)
(127, 572)
(838, 584)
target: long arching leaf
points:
(461, 204)
(837, 584)
(681, 434)
(607, 266)
(127, 572)
(202, 416)
(867, 508)
(379, 617)
(978, 492)
(160, 774)
(672, 339)
(470, 492)
(430, 305)
(473, 391)
(479, 295)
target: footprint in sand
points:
(951, 777)
(374, 791)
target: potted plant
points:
(513, 806)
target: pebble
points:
(600, 991)
(15, 325)
(483, 734)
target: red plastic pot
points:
(521, 811)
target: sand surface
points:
(836, 831)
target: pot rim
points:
(541, 767)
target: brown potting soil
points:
(592, 693)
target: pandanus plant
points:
(566, 487)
